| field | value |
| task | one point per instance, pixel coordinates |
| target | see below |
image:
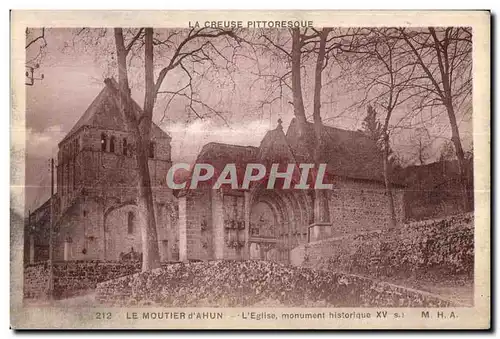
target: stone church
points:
(261, 223)
(95, 204)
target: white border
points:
(150, 4)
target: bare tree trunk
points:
(455, 138)
(387, 169)
(141, 127)
(446, 96)
(151, 253)
(298, 101)
(321, 196)
(388, 188)
(149, 237)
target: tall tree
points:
(445, 57)
(318, 44)
(193, 45)
(300, 50)
(371, 125)
(422, 140)
(321, 200)
(379, 60)
(298, 99)
(375, 132)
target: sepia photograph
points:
(175, 173)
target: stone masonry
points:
(95, 205)
(96, 212)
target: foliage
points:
(437, 248)
(372, 127)
(447, 152)
(249, 283)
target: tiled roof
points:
(103, 112)
(350, 154)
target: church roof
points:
(103, 112)
(351, 154)
(217, 153)
(274, 147)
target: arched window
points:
(125, 149)
(151, 149)
(112, 144)
(130, 222)
(103, 142)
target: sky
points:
(74, 69)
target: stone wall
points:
(119, 237)
(36, 280)
(95, 205)
(203, 224)
(443, 247)
(360, 206)
(194, 226)
(355, 206)
(72, 277)
(96, 224)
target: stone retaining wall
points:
(36, 280)
(441, 246)
(72, 277)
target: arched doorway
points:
(279, 220)
(263, 229)
(122, 233)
